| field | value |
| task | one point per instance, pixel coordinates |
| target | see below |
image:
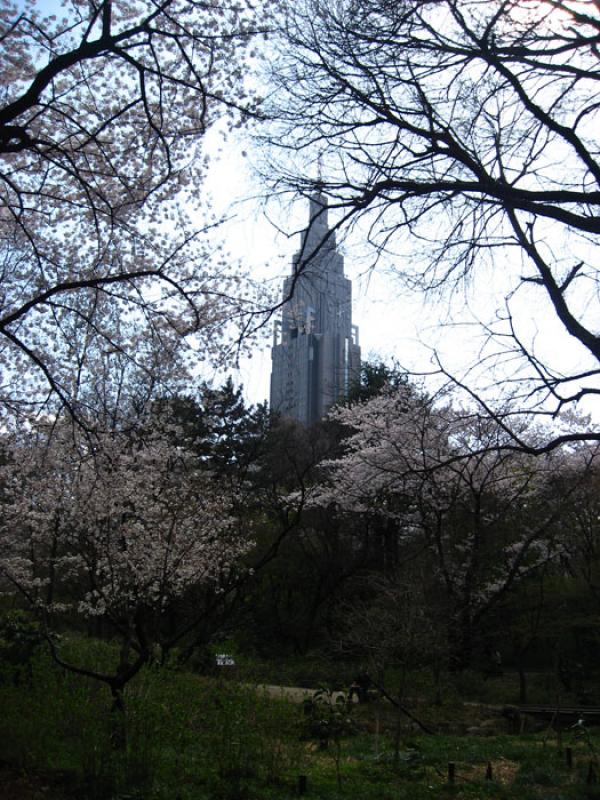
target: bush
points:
(58, 723)
(183, 734)
(20, 639)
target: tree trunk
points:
(460, 643)
(437, 683)
(522, 682)
(118, 734)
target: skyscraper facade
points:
(316, 353)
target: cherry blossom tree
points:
(440, 479)
(460, 137)
(102, 115)
(117, 527)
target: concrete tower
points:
(315, 353)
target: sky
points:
(386, 329)
(394, 323)
(390, 326)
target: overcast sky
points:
(394, 324)
(388, 325)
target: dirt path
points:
(294, 694)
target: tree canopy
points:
(464, 135)
(102, 114)
(118, 528)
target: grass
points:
(195, 738)
(522, 767)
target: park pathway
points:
(294, 694)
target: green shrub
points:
(20, 639)
(58, 723)
(247, 738)
(183, 734)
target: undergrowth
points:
(189, 737)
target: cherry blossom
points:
(116, 526)
(450, 485)
(105, 233)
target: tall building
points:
(315, 352)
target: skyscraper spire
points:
(315, 352)
(316, 236)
